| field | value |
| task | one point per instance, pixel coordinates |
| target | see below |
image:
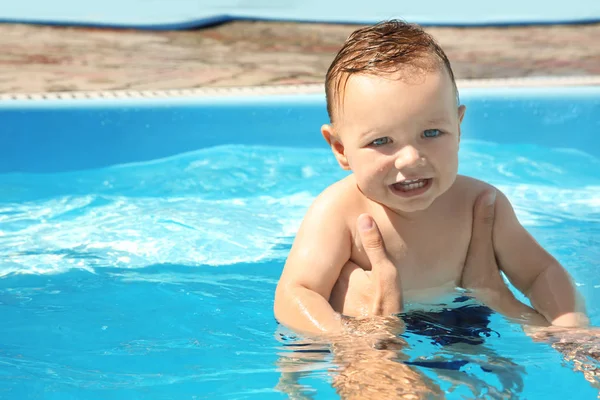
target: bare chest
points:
(429, 254)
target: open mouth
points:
(411, 187)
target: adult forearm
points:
(387, 300)
(306, 311)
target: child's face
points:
(399, 137)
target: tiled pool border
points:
(284, 89)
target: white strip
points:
(552, 81)
(288, 89)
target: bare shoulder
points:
(469, 188)
(338, 200)
(472, 188)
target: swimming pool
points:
(141, 241)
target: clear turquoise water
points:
(156, 280)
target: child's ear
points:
(461, 114)
(336, 145)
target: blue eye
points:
(430, 133)
(380, 142)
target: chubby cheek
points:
(444, 156)
(364, 181)
(371, 181)
(450, 170)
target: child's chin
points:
(415, 208)
(411, 207)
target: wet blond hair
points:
(383, 49)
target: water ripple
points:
(234, 204)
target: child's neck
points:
(405, 216)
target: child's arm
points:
(534, 271)
(320, 250)
(481, 274)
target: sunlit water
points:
(156, 280)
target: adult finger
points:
(483, 225)
(387, 296)
(371, 240)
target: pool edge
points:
(316, 88)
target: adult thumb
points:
(483, 218)
(371, 239)
(486, 208)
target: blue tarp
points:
(183, 14)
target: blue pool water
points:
(155, 279)
(141, 242)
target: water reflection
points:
(579, 347)
(416, 355)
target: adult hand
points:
(373, 350)
(360, 293)
(481, 269)
(387, 293)
(481, 273)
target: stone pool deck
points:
(42, 59)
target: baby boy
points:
(395, 123)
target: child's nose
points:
(408, 157)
